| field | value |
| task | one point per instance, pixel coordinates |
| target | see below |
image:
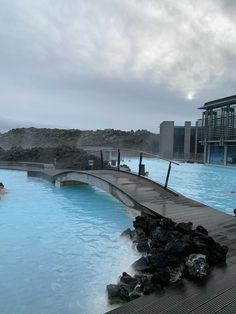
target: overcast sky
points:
(124, 64)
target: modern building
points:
(166, 144)
(177, 141)
(217, 131)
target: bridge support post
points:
(140, 163)
(102, 165)
(168, 175)
(118, 161)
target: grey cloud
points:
(124, 64)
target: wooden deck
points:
(215, 294)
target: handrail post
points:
(140, 163)
(102, 165)
(118, 161)
(168, 174)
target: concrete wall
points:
(167, 139)
(187, 138)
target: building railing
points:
(216, 129)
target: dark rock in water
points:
(135, 295)
(156, 244)
(113, 292)
(153, 223)
(177, 273)
(161, 277)
(142, 246)
(184, 227)
(129, 280)
(141, 222)
(146, 223)
(160, 237)
(132, 235)
(174, 260)
(167, 223)
(177, 235)
(127, 233)
(139, 234)
(124, 291)
(158, 260)
(170, 251)
(142, 265)
(154, 251)
(166, 236)
(202, 230)
(197, 265)
(146, 285)
(155, 233)
(176, 246)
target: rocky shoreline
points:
(169, 252)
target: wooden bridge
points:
(216, 294)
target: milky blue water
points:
(59, 247)
(212, 185)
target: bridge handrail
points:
(149, 154)
(140, 160)
(105, 149)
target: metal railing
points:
(219, 128)
(139, 154)
(104, 163)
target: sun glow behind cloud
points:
(190, 95)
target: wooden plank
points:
(229, 309)
(185, 297)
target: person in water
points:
(2, 190)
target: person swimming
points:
(2, 189)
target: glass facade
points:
(217, 154)
(217, 130)
(231, 154)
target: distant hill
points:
(61, 156)
(44, 137)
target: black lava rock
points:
(129, 280)
(142, 246)
(158, 260)
(202, 230)
(124, 291)
(142, 265)
(113, 292)
(170, 251)
(161, 277)
(167, 223)
(127, 233)
(185, 228)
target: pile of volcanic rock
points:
(170, 251)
